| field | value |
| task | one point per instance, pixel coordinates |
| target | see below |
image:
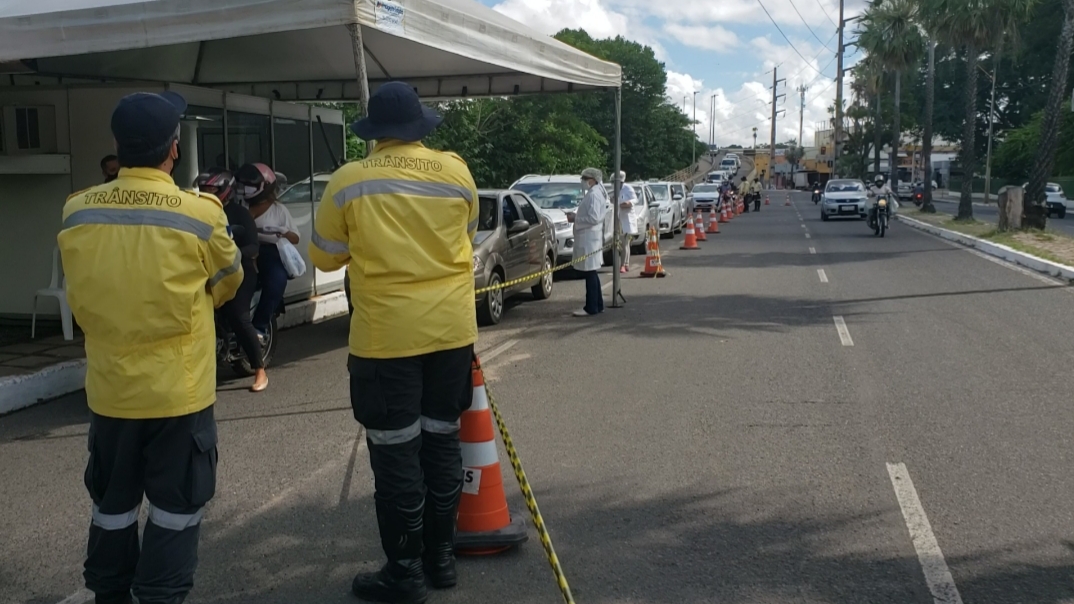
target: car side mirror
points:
(676, 196)
(518, 226)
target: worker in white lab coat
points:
(589, 239)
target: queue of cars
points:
(523, 230)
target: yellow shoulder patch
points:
(209, 196)
(77, 193)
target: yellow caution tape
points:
(542, 273)
(531, 502)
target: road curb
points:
(1029, 261)
(21, 391)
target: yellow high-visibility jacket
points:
(402, 221)
(145, 264)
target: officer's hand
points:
(292, 237)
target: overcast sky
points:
(721, 47)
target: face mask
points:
(178, 158)
(586, 186)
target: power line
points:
(825, 11)
(795, 49)
(795, 7)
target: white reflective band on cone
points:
(115, 522)
(171, 521)
(480, 400)
(478, 455)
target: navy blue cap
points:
(395, 111)
(144, 121)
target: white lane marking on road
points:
(823, 276)
(803, 226)
(79, 597)
(495, 352)
(844, 333)
(937, 575)
(812, 250)
(807, 236)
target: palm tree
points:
(1035, 215)
(974, 26)
(870, 77)
(891, 35)
(926, 143)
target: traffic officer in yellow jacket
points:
(146, 263)
(402, 221)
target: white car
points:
(844, 199)
(557, 196)
(668, 213)
(1055, 202)
(644, 207)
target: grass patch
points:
(1053, 246)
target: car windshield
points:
(301, 191)
(844, 186)
(486, 217)
(557, 195)
(706, 189)
(661, 192)
(1053, 189)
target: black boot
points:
(400, 581)
(439, 533)
(397, 582)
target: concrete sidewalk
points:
(57, 367)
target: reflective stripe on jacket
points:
(402, 222)
(145, 264)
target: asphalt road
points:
(990, 213)
(747, 430)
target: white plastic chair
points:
(57, 288)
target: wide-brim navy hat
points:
(395, 111)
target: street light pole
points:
(693, 129)
(838, 93)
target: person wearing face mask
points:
(589, 239)
(146, 263)
(109, 167)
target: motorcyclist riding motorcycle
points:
(235, 332)
(879, 189)
(816, 194)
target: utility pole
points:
(838, 139)
(772, 143)
(801, 116)
(693, 128)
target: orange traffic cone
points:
(738, 207)
(765, 200)
(788, 202)
(714, 221)
(699, 226)
(485, 524)
(727, 211)
(689, 241)
(724, 218)
(653, 266)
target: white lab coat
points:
(628, 218)
(589, 229)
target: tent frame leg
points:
(362, 75)
(617, 261)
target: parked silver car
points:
(644, 207)
(513, 240)
(670, 212)
(844, 198)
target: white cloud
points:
(550, 16)
(704, 37)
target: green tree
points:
(1036, 216)
(891, 36)
(974, 26)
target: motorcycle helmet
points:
(878, 179)
(216, 181)
(256, 183)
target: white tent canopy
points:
(293, 49)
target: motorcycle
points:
(816, 195)
(879, 216)
(919, 198)
(228, 351)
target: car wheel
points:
(491, 310)
(823, 217)
(543, 290)
(1062, 214)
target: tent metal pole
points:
(227, 152)
(363, 75)
(617, 294)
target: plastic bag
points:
(292, 260)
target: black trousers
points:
(171, 462)
(594, 296)
(236, 313)
(756, 203)
(410, 408)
